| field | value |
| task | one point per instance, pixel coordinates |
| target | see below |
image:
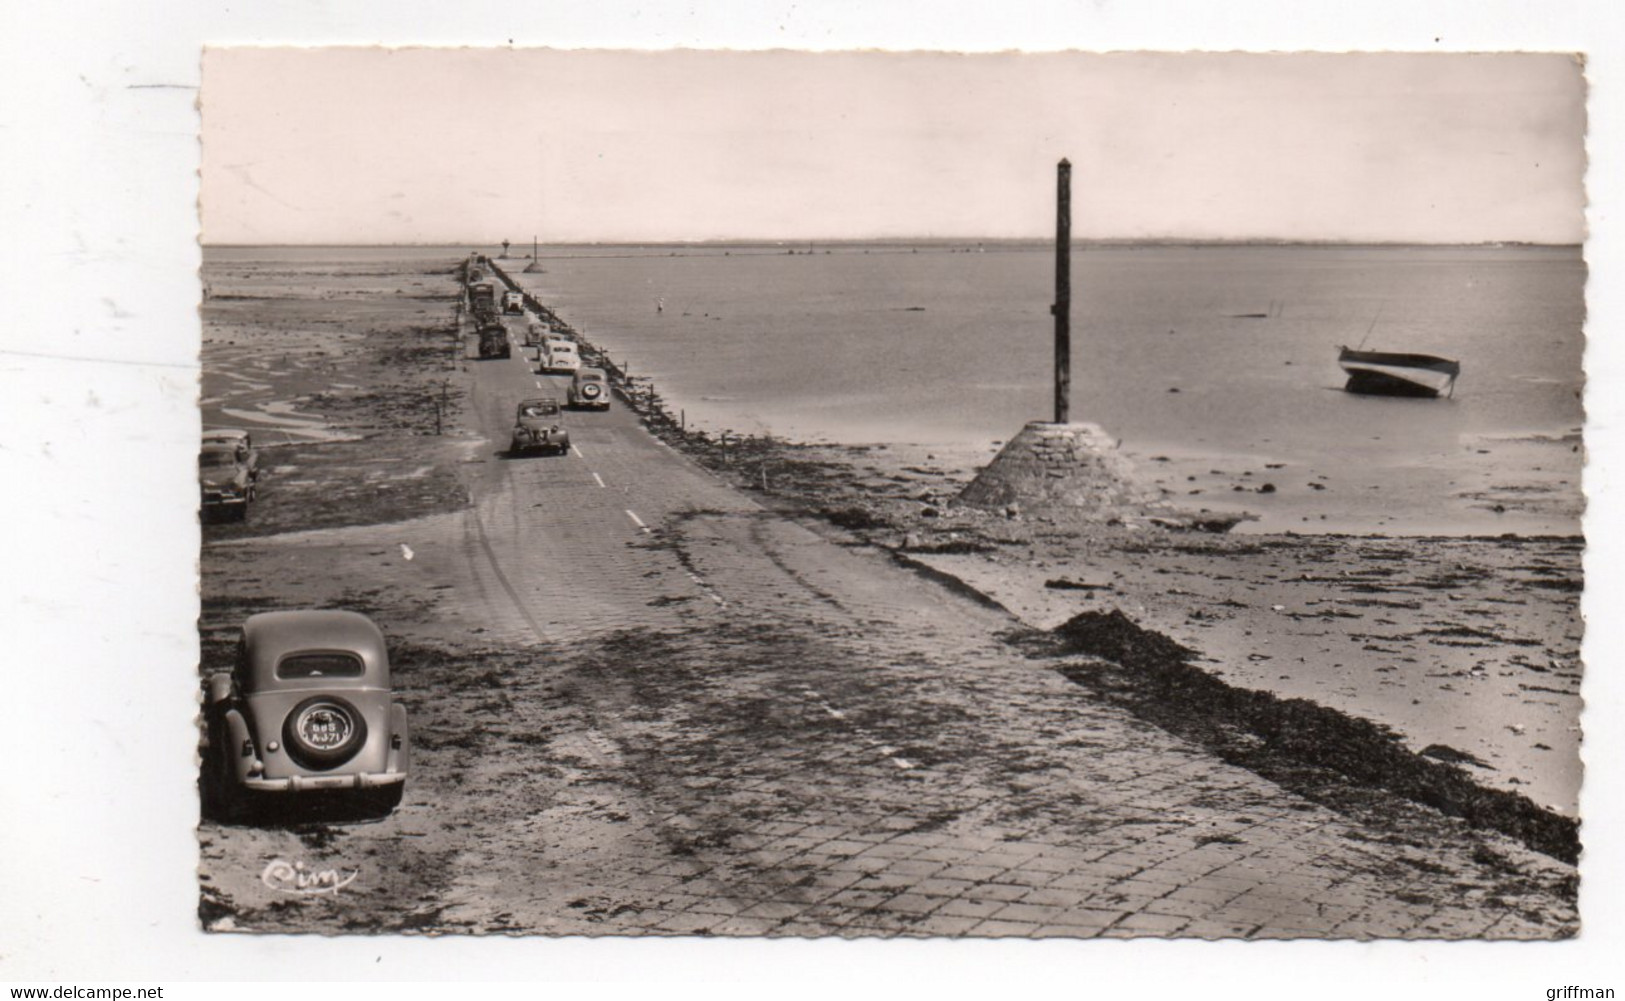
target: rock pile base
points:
(1074, 470)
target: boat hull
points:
(1384, 373)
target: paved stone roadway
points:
(842, 748)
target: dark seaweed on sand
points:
(1152, 675)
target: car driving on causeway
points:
(306, 715)
(588, 389)
(536, 428)
(559, 356)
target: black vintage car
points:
(494, 341)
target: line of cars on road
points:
(537, 426)
(483, 305)
(558, 355)
(556, 351)
(306, 719)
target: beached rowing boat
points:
(1388, 373)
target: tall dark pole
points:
(1063, 292)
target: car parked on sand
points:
(305, 716)
(225, 479)
(241, 442)
(588, 389)
(536, 428)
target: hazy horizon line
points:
(790, 243)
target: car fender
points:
(245, 760)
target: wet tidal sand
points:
(1466, 647)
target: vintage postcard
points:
(865, 494)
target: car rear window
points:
(210, 460)
(319, 665)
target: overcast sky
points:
(478, 145)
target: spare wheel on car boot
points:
(324, 731)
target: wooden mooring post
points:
(1063, 292)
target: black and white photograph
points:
(1045, 498)
(891, 494)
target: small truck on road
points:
(494, 341)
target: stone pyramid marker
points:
(1074, 470)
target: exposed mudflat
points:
(1468, 648)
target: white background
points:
(98, 374)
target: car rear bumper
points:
(312, 783)
(249, 770)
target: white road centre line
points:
(598, 480)
(639, 521)
(710, 591)
(539, 384)
(577, 451)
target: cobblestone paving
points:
(728, 725)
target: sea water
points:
(1214, 365)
